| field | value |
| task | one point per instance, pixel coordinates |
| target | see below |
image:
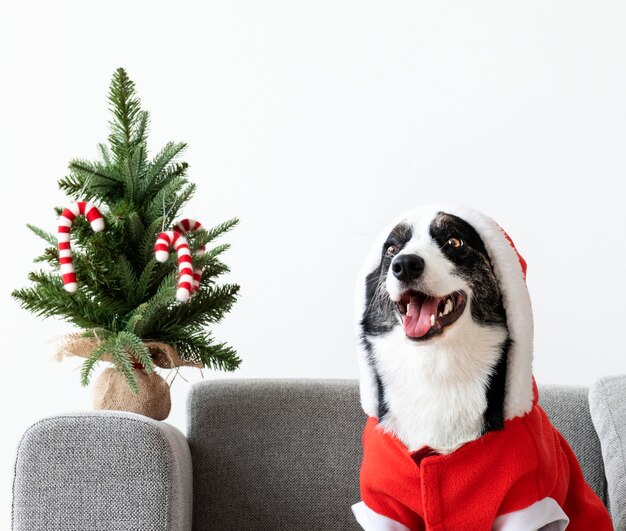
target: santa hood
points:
(510, 271)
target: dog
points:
(444, 327)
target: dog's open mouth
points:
(424, 316)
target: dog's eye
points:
(455, 242)
(391, 250)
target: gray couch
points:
(258, 454)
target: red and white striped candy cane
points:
(189, 225)
(66, 219)
(173, 239)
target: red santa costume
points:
(523, 477)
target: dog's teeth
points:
(448, 307)
(440, 314)
(432, 320)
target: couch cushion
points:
(607, 399)
(285, 454)
(275, 454)
(568, 409)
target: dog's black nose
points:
(408, 267)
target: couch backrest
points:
(285, 454)
(568, 409)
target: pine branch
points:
(208, 235)
(140, 133)
(208, 306)
(106, 154)
(49, 299)
(156, 175)
(71, 185)
(90, 179)
(86, 170)
(211, 269)
(147, 244)
(129, 177)
(134, 346)
(220, 356)
(136, 233)
(172, 171)
(50, 256)
(121, 360)
(217, 250)
(145, 281)
(200, 347)
(124, 273)
(139, 161)
(164, 204)
(126, 109)
(44, 235)
(90, 363)
(143, 320)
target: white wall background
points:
(316, 123)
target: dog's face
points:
(444, 328)
(434, 280)
(434, 327)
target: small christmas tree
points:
(126, 299)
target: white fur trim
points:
(372, 521)
(516, 299)
(545, 514)
(518, 398)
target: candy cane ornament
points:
(189, 225)
(173, 239)
(66, 220)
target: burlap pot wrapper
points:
(153, 400)
(163, 354)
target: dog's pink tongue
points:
(417, 321)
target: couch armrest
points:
(102, 470)
(607, 401)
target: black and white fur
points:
(448, 389)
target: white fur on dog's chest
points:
(436, 396)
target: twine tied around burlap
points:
(111, 390)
